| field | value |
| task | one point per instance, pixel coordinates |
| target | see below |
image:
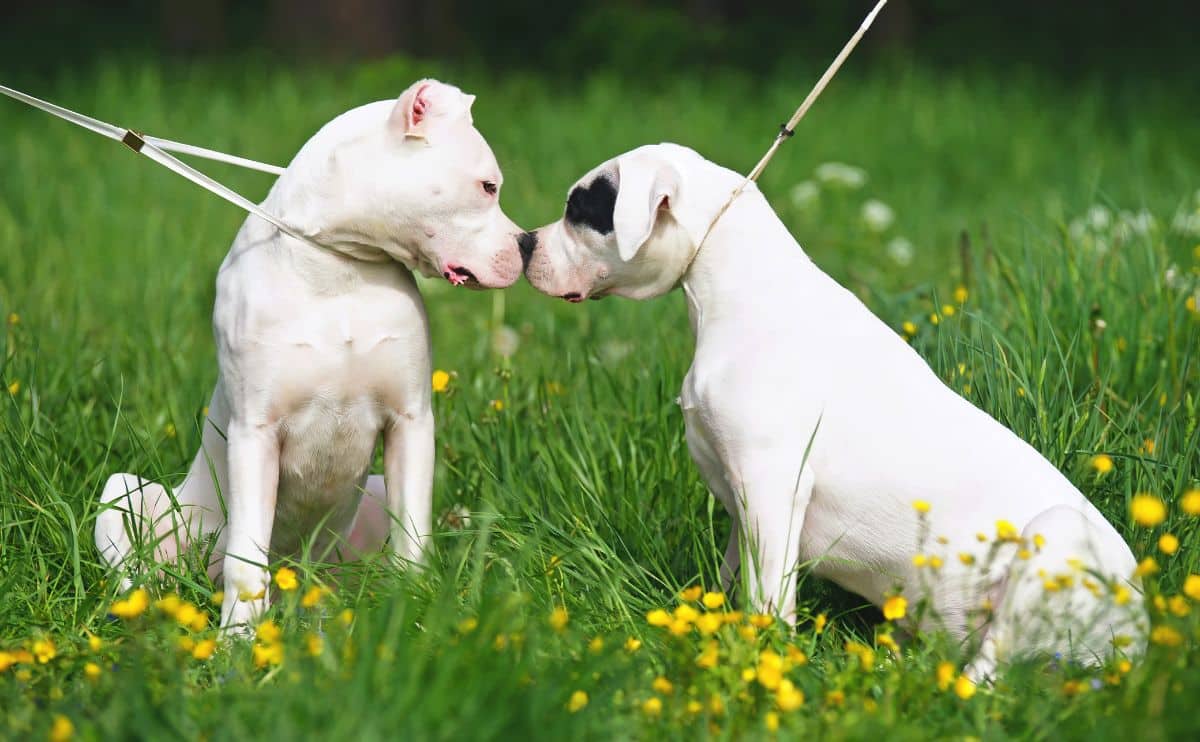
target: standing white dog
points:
(321, 351)
(818, 427)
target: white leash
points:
(157, 150)
(788, 129)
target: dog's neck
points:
(747, 261)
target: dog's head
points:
(626, 230)
(414, 179)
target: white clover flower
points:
(505, 341)
(1185, 223)
(1077, 230)
(900, 251)
(805, 194)
(877, 215)
(1099, 217)
(614, 351)
(1173, 280)
(842, 175)
(457, 518)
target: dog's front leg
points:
(774, 500)
(253, 452)
(408, 451)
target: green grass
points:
(580, 489)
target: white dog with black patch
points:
(818, 427)
(322, 351)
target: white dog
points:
(322, 351)
(818, 427)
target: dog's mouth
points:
(459, 275)
(573, 296)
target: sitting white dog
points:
(320, 351)
(818, 427)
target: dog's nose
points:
(526, 243)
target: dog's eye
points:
(489, 187)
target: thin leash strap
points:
(788, 129)
(156, 149)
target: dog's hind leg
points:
(140, 520)
(1058, 600)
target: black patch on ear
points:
(593, 206)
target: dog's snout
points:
(526, 243)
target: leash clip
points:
(133, 140)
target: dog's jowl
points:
(320, 352)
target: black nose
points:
(526, 243)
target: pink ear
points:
(418, 106)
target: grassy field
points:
(568, 506)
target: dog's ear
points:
(647, 186)
(426, 101)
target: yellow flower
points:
(686, 613)
(909, 328)
(1039, 541)
(963, 687)
(1190, 304)
(679, 627)
(819, 623)
(748, 675)
(187, 614)
(1006, 531)
(1147, 446)
(346, 617)
(895, 607)
(61, 729)
(1168, 544)
(921, 506)
(1073, 688)
(579, 699)
(935, 562)
(14, 387)
(658, 617)
(770, 670)
(268, 632)
(186, 644)
(960, 294)
(596, 645)
(468, 624)
(314, 644)
(796, 656)
(716, 705)
(866, 655)
(708, 657)
(694, 707)
(948, 310)
(441, 381)
(632, 645)
(1190, 502)
(748, 633)
(1191, 587)
(772, 721)
(836, 697)
(934, 319)
(713, 601)
(204, 649)
(919, 560)
(169, 430)
(1147, 566)
(14, 318)
(886, 640)
(44, 650)
(691, 594)
(761, 620)
(94, 642)
(966, 558)
(169, 604)
(218, 598)
(945, 675)
(267, 654)
(663, 686)
(709, 623)
(1147, 510)
(1179, 605)
(497, 405)
(312, 596)
(285, 578)
(788, 697)
(652, 706)
(92, 671)
(1166, 636)
(981, 537)
(1102, 463)
(132, 606)
(559, 618)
